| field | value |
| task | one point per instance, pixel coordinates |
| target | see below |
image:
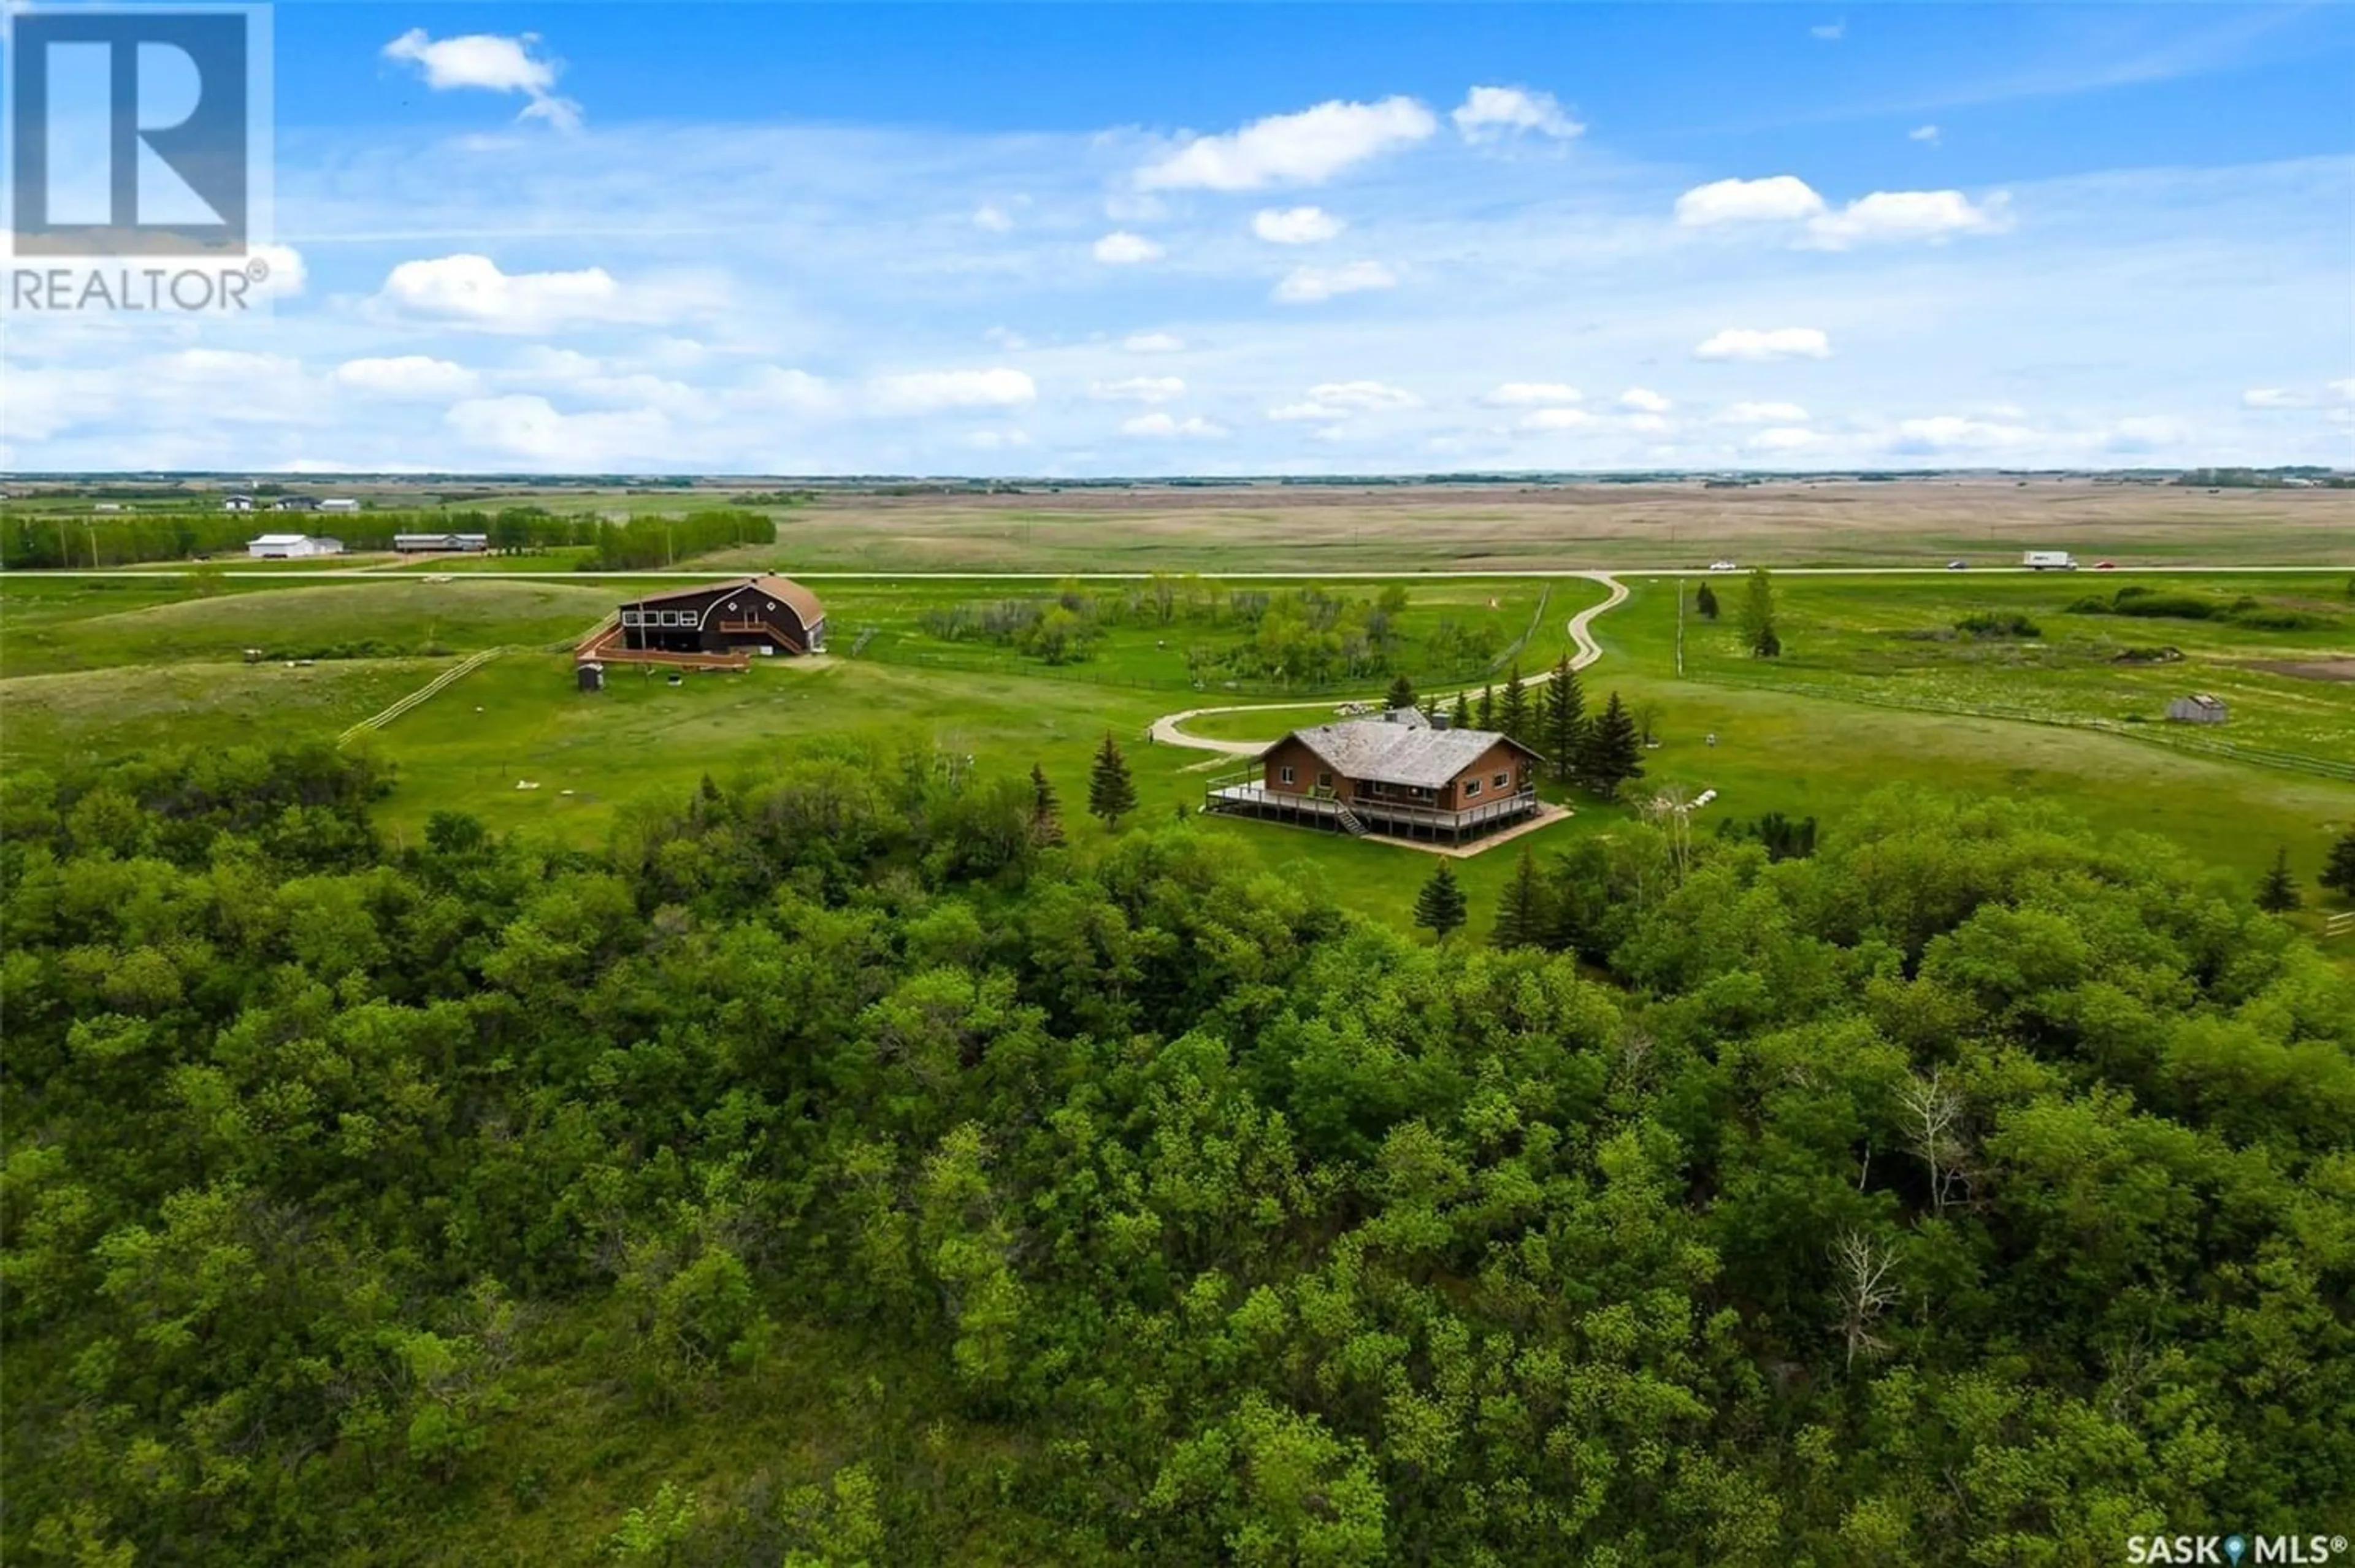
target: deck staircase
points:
(1351, 823)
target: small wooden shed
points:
(2200, 708)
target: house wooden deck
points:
(1245, 795)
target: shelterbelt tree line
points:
(840, 1169)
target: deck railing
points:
(1244, 787)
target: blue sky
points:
(1084, 239)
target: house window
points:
(629, 617)
(1471, 788)
(1324, 780)
(1284, 773)
(1501, 780)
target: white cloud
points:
(1363, 396)
(1122, 249)
(1555, 419)
(1294, 225)
(993, 440)
(1339, 400)
(773, 388)
(1648, 422)
(287, 271)
(1305, 148)
(1773, 343)
(2271, 398)
(528, 426)
(1778, 198)
(472, 291)
(1922, 134)
(1162, 427)
(1763, 413)
(1153, 343)
(1006, 337)
(406, 376)
(1489, 114)
(2344, 389)
(1310, 285)
(1830, 32)
(1930, 215)
(493, 64)
(933, 391)
(1644, 400)
(1139, 389)
(1952, 433)
(1783, 438)
(1523, 394)
(993, 219)
(2144, 433)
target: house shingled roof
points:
(1382, 752)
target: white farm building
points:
(292, 547)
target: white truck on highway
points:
(2048, 561)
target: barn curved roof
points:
(785, 590)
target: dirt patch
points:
(2308, 669)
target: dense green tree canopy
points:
(831, 1171)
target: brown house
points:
(754, 615)
(1390, 774)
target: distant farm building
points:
(292, 547)
(1413, 778)
(2197, 708)
(295, 504)
(338, 503)
(236, 503)
(722, 626)
(440, 544)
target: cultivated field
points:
(1500, 528)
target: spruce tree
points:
(1513, 716)
(1402, 694)
(1613, 756)
(1564, 721)
(1440, 905)
(2277, 894)
(1461, 717)
(1706, 602)
(2338, 866)
(1488, 707)
(1111, 794)
(1046, 817)
(1521, 918)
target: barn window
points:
(773, 604)
(731, 603)
(629, 617)
(1501, 780)
(1284, 773)
(1324, 780)
(1471, 788)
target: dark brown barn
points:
(754, 615)
(1390, 774)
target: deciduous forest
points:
(845, 1168)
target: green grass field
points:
(53, 624)
(2291, 691)
(93, 666)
